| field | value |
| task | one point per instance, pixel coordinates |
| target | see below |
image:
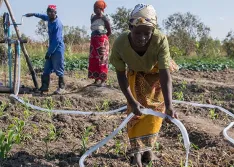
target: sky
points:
(217, 14)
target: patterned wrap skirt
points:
(98, 61)
(146, 89)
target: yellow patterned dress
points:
(143, 78)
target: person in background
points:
(55, 53)
(142, 61)
(99, 46)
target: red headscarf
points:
(52, 7)
(100, 4)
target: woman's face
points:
(97, 11)
(141, 35)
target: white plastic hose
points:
(67, 111)
(225, 132)
(15, 96)
(204, 105)
(213, 106)
(146, 112)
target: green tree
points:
(228, 43)
(42, 30)
(121, 19)
(75, 35)
(184, 30)
(188, 23)
(208, 46)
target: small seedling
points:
(194, 146)
(106, 105)
(179, 95)
(118, 147)
(18, 127)
(157, 146)
(49, 103)
(27, 114)
(6, 142)
(51, 136)
(35, 128)
(85, 138)
(2, 108)
(213, 115)
(68, 103)
(150, 164)
(180, 137)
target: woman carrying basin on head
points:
(99, 46)
(143, 64)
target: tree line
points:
(186, 33)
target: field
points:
(51, 140)
(30, 138)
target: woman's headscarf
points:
(143, 14)
(100, 4)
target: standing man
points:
(55, 53)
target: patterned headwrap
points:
(143, 14)
(100, 4)
(52, 7)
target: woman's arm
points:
(124, 86)
(166, 84)
(108, 28)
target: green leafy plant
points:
(157, 146)
(104, 106)
(212, 114)
(85, 137)
(194, 146)
(27, 114)
(205, 63)
(179, 95)
(18, 126)
(118, 145)
(2, 108)
(52, 135)
(6, 142)
(150, 164)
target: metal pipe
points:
(9, 59)
(4, 89)
(32, 71)
(15, 67)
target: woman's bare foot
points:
(149, 156)
(137, 160)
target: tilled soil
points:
(204, 126)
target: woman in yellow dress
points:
(142, 61)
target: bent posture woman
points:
(143, 64)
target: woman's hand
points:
(170, 111)
(136, 108)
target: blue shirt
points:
(55, 31)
